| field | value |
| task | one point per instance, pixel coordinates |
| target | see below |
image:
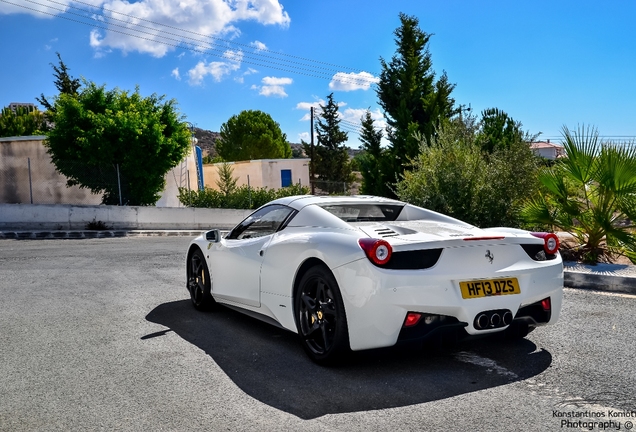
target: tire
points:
(320, 316)
(199, 283)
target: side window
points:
(264, 222)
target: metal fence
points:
(325, 187)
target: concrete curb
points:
(607, 277)
(86, 234)
(603, 277)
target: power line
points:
(207, 36)
(178, 45)
(252, 60)
(257, 52)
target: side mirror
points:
(213, 236)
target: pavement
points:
(619, 278)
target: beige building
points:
(27, 175)
(547, 149)
(270, 173)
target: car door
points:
(235, 264)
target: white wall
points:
(262, 172)
(69, 217)
(49, 186)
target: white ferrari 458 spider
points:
(361, 272)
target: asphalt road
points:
(99, 334)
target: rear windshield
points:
(364, 212)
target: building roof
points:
(543, 144)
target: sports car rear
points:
(481, 284)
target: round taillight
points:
(550, 242)
(378, 251)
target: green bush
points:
(456, 177)
(241, 197)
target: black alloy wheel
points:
(320, 316)
(199, 283)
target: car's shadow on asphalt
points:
(269, 364)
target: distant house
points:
(270, 173)
(13, 106)
(547, 150)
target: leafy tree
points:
(64, 83)
(373, 162)
(498, 131)
(331, 160)
(226, 181)
(454, 176)
(252, 135)
(590, 194)
(413, 101)
(99, 132)
(22, 122)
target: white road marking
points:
(491, 365)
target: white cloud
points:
(352, 81)
(260, 46)
(304, 136)
(33, 9)
(273, 86)
(192, 17)
(262, 11)
(37, 9)
(354, 115)
(273, 81)
(175, 74)
(95, 42)
(49, 46)
(215, 69)
(305, 106)
(148, 29)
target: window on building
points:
(285, 178)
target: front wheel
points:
(199, 283)
(320, 316)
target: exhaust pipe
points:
(495, 319)
(481, 321)
(507, 318)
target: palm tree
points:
(591, 194)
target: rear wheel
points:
(199, 283)
(320, 316)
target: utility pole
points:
(311, 163)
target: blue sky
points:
(546, 63)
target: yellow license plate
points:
(489, 287)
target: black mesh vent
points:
(413, 260)
(536, 252)
(386, 232)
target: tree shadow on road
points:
(269, 364)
